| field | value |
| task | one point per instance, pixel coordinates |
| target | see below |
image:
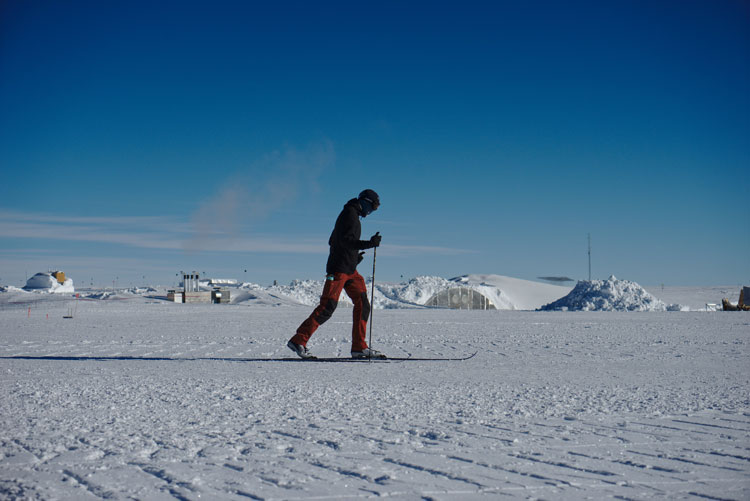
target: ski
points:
(390, 359)
(136, 358)
(341, 359)
(349, 359)
(435, 359)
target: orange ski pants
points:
(355, 288)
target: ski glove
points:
(375, 240)
(361, 257)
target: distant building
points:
(460, 298)
(195, 291)
(213, 282)
(50, 281)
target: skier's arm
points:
(369, 244)
(350, 240)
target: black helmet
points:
(371, 197)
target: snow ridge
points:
(608, 295)
(414, 293)
(505, 293)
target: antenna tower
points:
(589, 257)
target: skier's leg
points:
(355, 288)
(328, 302)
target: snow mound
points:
(504, 293)
(414, 293)
(254, 294)
(608, 295)
(305, 292)
(104, 295)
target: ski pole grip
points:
(375, 239)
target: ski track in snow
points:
(556, 405)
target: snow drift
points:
(608, 295)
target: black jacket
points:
(344, 242)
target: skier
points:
(346, 252)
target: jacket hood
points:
(354, 203)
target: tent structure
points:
(463, 298)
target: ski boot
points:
(300, 350)
(368, 353)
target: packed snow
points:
(609, 295)
(139, 398)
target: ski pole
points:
(372, 296)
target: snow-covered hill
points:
(505, 293)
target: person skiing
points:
(346, 252)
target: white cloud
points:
(145, 232)
(417, 250)
(270, 184)
(222, 222)
(171, 234)
(148, 233)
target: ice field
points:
(137, 398)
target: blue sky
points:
(138, 139)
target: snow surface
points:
(609, 295)
(696, 298)
(139, 398)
